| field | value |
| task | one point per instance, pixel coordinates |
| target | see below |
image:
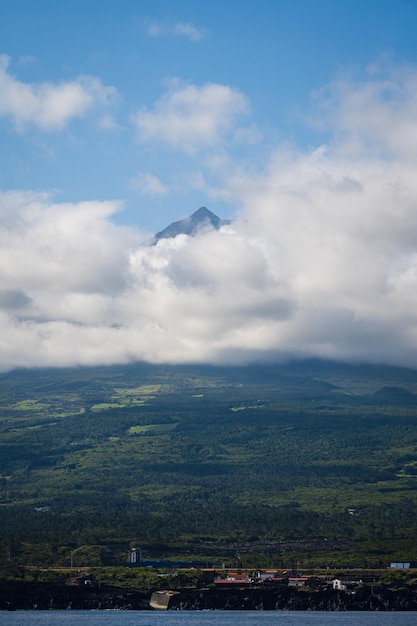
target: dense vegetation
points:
(310, 460)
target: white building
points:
(339, 585)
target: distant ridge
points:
(395, 395)
(200, 220)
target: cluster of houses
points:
(272, 577)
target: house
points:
(268, 573)
(233, 579)
(339, 585)
(270, 577)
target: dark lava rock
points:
(30, 595)
(289, 599)
(42, 596)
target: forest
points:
(270, 464)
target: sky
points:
(294, 119)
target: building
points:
(268, 573)
(134, 556)
(134, 559)
(233, 579)
(338, 585)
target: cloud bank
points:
(321, 259)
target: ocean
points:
(206, 618)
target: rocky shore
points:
(43, 596)
(288, 599)
(15, 595)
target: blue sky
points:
(296, 118)
(275, 54)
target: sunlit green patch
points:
(105, 405)
(30, 405)
(138, 430)
(144, 390)
(37, 426)
(243, 408)
(80, 411)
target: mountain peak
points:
(203, 212)
(200, 220)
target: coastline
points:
(20, 595)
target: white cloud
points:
(60, 247)
(190, 31)
(107, 122)
(342, 225)
(46, 105)
(148, 184)
(179, 29)
(78, 289)
(321, 261)
(376, 114)
(155, 29)
(189, 117)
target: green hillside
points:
(312, 458)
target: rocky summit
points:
(200, 221)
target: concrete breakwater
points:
(43, 596)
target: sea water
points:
(206, 618)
